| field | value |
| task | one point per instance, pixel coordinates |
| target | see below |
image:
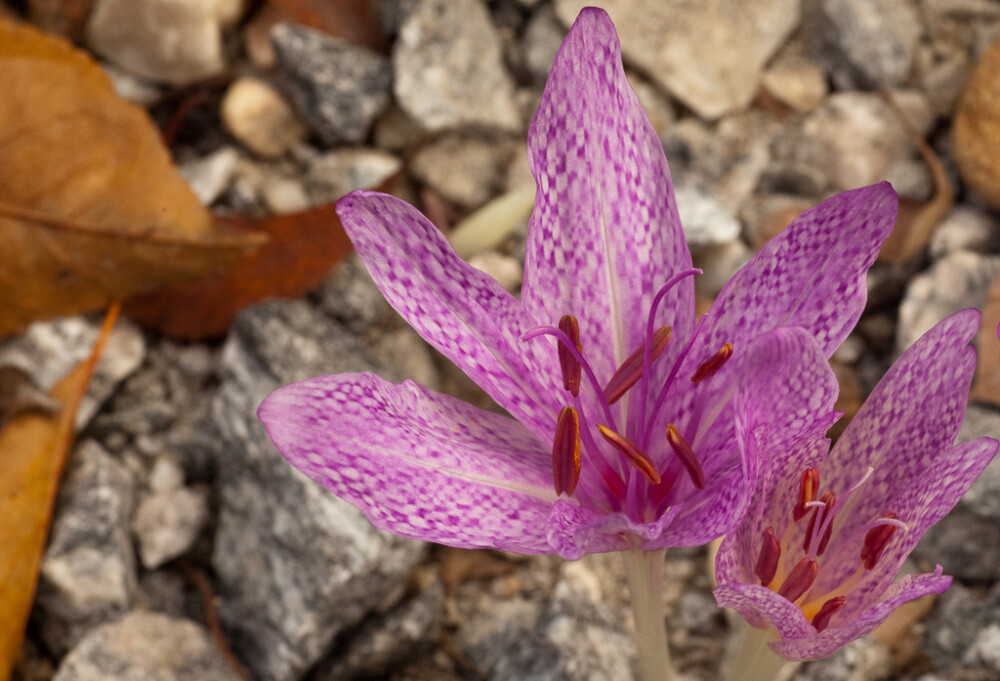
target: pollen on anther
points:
(632, 453)
(770, 553)
(629, 373)
(821, 620)
(568, 363)
(876, 540)
(566, 452)
(799, 580)
(711, 366)
(686, 455)
(808, 489)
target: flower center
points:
(603, 450)
(796, 583)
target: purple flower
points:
(816, 556)
(622, 433)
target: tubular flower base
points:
(816, 556)
(622, 435)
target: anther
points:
(631, 452)
(876, 540)
(714, 363)
(820, 520)
(799, 580)
(808, 488)
(684, 452)
(821, 620)
(767, 562)
(629, 373)
(566, 452)
(567, 362)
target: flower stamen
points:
(820, 525)
(713, 364)
(631, 452)
(821, 620)
(808, 489)
(770, 554)
(877, 539)
(567, 361)
(799, 580)
(686, 456)
(566, 452)
(631, 370)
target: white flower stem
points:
(755, 661)
(645, 583)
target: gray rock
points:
(349, 295)
(964, 229)
(336, 87)
(861, 660)
(146, 647)
(437, 80)
(173, 41)
(954, 282)
(542, 37)
(330, 176)
(708, 54)
(210, 176)
(383, 642)
(877, 36)
(295, 564)
(88, 573)
(167, 523)
(851, 140)
(706, 220)
(464, 169)
(796, 81)
(47, 351)
(962, 641)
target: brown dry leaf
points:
(977, 127)
(33, 449)
(18, 393)
(91, 206)
(63, 17)
(986, 386)
(300, 252)
(462, 565)
(916, 221)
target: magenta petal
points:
(419, 464)
(456, 308)
(762, 607)
(838, 635)
(605, 234)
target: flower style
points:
(622, 434)
(817, 553)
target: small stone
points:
(337, 87)
(505, 269)
(436, 81)
(797, 82)
(706, 221)
(88, 573)
(395, 131)
(167, 523)
(145, 646)
(977, 128)
(542, 37)
(210, 176)
(165, 475)
(860, 660)
(710, 55)
(954, 282)
(284, 195)
(719, 264)
(332, 175)
(964, 229)
(985, 650)
(877, 36)
(171, 41)
(657, 106)
(911, 179)
(349, 296)
(959, 620)
(130, 87)
(255, 114)
(464, 169)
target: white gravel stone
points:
(257, 115)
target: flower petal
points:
(907, 425)
(418, 463)
(830, 640)
(605, 234)
(574, 530)
(762, 607)
(459, 310)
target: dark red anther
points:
(876, 540)
(767, 562)
(632, 453)
(821, 620)
(566, 452)
(799, 580)
(684, 452)
(630, 371)
(819, 518)
(567, 362)
(714, 363)
(808, 489)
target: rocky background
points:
(184, 547)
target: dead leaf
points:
(976, 128)
(91, 206)
(462, 565)
(62, 17)
(986, 386)
(916, 221)
(301, 250)
(33, 449)
(18, 393)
